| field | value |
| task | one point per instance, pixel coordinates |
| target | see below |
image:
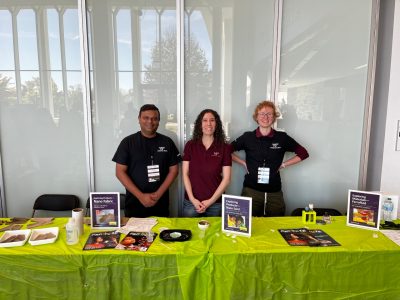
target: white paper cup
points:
(203, 224)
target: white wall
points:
(391, 159)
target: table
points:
(213, 267)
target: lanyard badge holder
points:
(263, 175)
(153, 172)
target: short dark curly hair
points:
(219, 134)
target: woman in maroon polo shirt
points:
(206, 166)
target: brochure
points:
(307, 237)
(364, 209)
(105, 210)
(137, 241)
(102, 240)
(236, 215)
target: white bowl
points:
(9, 233)
(37, 232)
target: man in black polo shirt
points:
(147, 164)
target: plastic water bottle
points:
(387, 209)
(72, 232)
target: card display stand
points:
(309, 217)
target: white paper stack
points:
(138, 225)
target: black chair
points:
(319, 211)
(55, 202)
(121, 204)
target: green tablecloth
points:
(214, 267)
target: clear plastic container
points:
(72, 232)
(387, 209)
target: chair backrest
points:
(319, 211)
(121, 204)
(55, 202)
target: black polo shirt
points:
(137, 152)
(266, 151)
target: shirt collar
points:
(259, 134)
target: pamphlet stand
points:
(309, 217)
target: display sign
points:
(236, 215)
(364, 209)
(105, 210)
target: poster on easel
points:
(236, 215)
(105, 210)
(364, 209)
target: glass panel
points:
(54, 39)
(42, 139)
(128, 117)
(148, 33)
(124, 40)
(228, 57)
(30, 82)
(6, 41)
(322, 94)
(27, 39)
(129, 70)
(71, 39)
(57, 94)
(8, 93)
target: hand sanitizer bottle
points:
(72, 232)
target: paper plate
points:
(43, 236)
(16, 238)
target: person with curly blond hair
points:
(265, 149)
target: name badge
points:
(153, 173)
(263, 175)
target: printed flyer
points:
(364, 209)
(104, 208)
(307, 237)
(102, 240)
(137, 241)
(236, 215)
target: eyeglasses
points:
(263, 115)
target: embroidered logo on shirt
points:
(215, 154)
(162, 149)
(275, 146)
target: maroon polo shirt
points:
(205, 167)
